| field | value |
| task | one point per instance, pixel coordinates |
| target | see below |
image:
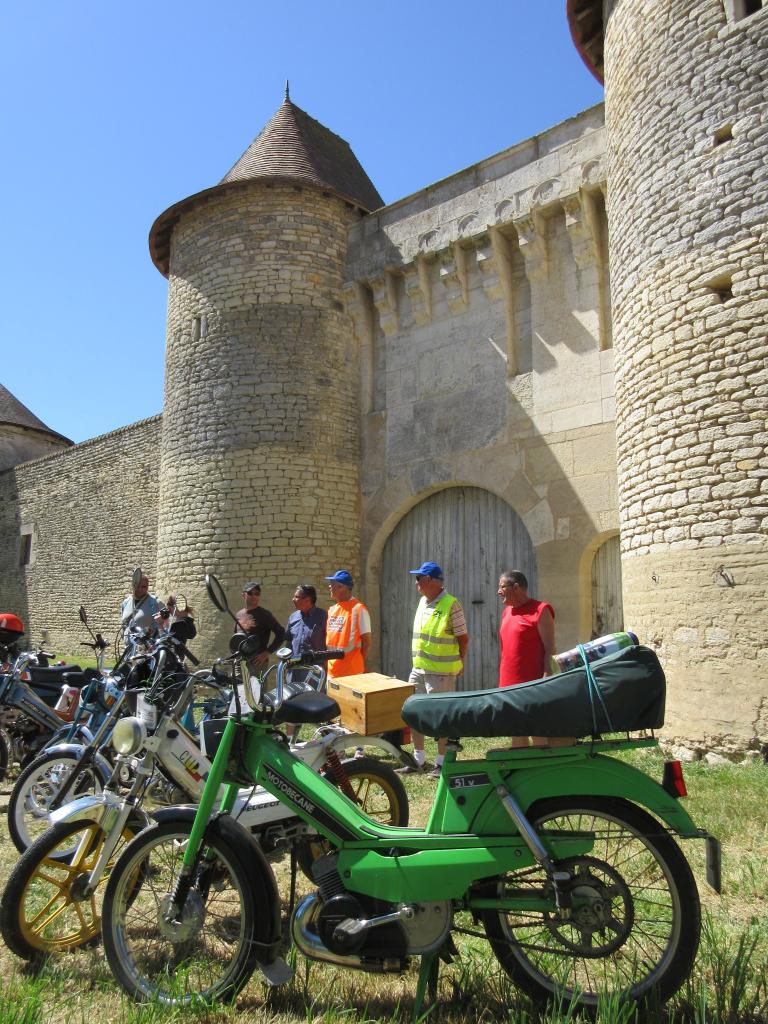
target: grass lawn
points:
(729, 984)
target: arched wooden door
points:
(474, 536)
(607, 604)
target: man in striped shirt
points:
(440, 642)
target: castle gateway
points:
(552, 353)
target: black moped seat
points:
(54, 673)
(47, 682)
(308, 708)
(630, 693)
(80, 678)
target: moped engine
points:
(359, 931)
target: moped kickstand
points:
(428, 974)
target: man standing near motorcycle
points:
(439, 647)
(139, 609)
(349, 627)
(259, 622)
(305, 629)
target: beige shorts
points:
(431, 682)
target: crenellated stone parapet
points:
(522, 184)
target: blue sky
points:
(115, 110)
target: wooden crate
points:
(370, 703)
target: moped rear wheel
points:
(44, 908)
(635, 917)
(35, 788)
(211, 951)
(378, 792)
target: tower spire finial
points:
(287, 93)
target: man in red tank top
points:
(527, 633)
(527, 637)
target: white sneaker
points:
(359, 752)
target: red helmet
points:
(11, 627)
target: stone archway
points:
(474, 535)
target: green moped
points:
(561, 857)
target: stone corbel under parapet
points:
(454, 277)
(418, 287)
(494, 261)
(583, 229)
(358, 304)
(532, 238)
(589, 245)
(385, 299)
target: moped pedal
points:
(276, 973)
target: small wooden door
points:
(474, 536)
(607, 606)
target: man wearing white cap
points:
(440, 642)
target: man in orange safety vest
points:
(348, 627)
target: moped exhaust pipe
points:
(308, 941)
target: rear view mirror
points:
(83, 616)
(136, 577)
(216, 593)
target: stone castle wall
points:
(481, 308)
(688, 150)
(92, 514)
(260, 454)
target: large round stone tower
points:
(687, 157)
(259, 457)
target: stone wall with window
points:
(72, 527)
(688, 184)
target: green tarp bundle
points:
(631, 687)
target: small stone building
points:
(553, 360)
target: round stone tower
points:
(687, 156)
(259, 459)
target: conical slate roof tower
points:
(293, 148)
(259, 463)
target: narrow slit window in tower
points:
(722, 287)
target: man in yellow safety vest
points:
(440, 642)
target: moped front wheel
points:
(35, 788)
(45, 908)
(206, 951)
(635, 917)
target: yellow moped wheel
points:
(45, 907)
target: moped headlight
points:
(129, 735)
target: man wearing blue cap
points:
(348, 628)
(440, 642)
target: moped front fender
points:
(74, 750)
(599, 776)
(354, 739)
(104, 810)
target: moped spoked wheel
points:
(35, 788)
(635, 917)
(44, 908)
(378, 792)
(210, 952)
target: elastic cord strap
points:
(593, 690)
